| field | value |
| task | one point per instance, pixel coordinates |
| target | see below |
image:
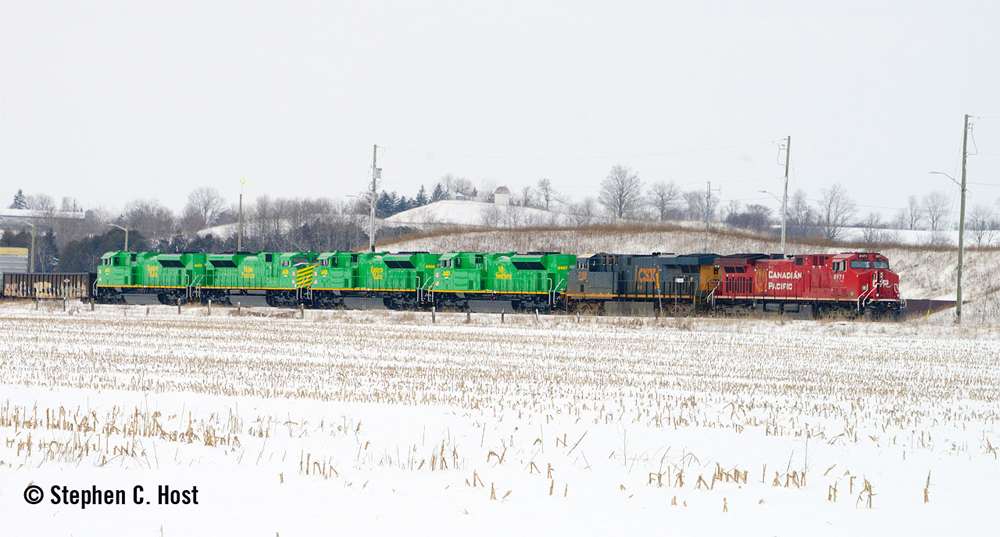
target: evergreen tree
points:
(386, 205)
(439, 193)
(405, 204)
(421, 199)
(20, 201)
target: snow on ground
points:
(477, 213)
(383, 423)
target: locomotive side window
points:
(858, 264)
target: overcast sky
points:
(113, 101)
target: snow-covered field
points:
(378, 423)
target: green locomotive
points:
(264, 278)
(496, 282)
(404, 280)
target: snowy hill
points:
(924, 273)
(475, 213)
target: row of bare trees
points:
(326, 224)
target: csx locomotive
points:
(854, 283)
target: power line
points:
(596, 157)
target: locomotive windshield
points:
(882, 265)
(859, 264)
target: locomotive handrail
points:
(864, 296)
(195, 286)
(711, 294)
(552, 291)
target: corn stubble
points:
(556, 398)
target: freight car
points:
(48, 285)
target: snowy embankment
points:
(383, 423)
(922, 273)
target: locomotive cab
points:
(866, 276)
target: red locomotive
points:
(807, 285)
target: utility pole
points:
(376, 175)
(239, 228)
(784, 199)
(708, 211)
(32, 261)
(961, 223)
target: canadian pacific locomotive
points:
(854, 283)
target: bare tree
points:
(663, 197)
(207, 203)
(487, 188)
(526, 198)
(756, 217)
(730, 209)
(491, 216)
(696, 205)
(71, 205)
(900, 221)
(153, 220)
(448, 182)
(936, 210)
(872, 228)
(41, 202)
(621, 192)
(914, 213)
(801, 216)
(463, 185)
(983, 224)
(546, 192)
(583, 213)
(836, 210)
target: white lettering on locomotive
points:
(790, 275)
(780, 286)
